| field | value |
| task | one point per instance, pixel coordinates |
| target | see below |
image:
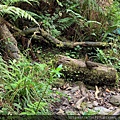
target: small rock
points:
(102, 110)
(95, 103)
(115, 100)
(54, 89)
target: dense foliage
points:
(27, 85)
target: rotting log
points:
(76, 70)
(9, 42)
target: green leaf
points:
(30, 110)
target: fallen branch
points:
(47, 37)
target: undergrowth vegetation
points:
(27, 87)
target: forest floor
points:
(77, 98)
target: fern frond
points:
(15, 11)
(33, 14)
(11, 2)
(66, 22)
(75, 14)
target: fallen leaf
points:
(60, 112)
(107, 90)
(77, 105)
(96, 92)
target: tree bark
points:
(77, 70)
(9, 42)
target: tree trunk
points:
(75, 70)
(9, 42)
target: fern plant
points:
(26, 85)
(12, 2)
(6, 8)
